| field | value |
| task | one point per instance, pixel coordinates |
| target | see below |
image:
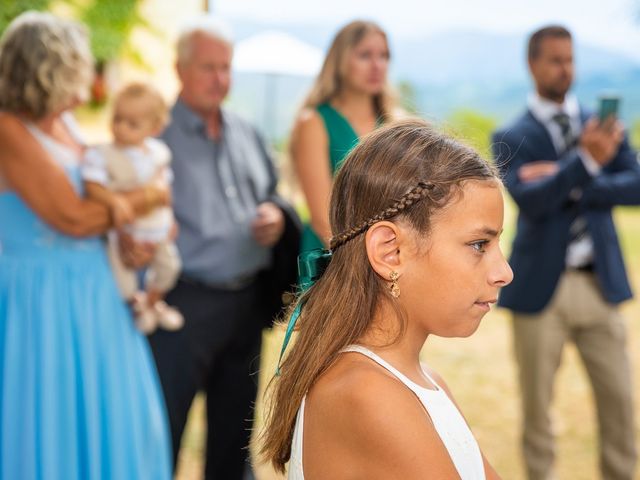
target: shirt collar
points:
(191, 120)
(544, 109)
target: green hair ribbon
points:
(311, 266)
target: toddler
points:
(135, 159)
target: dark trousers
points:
(217, 351)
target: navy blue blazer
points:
(546, 212)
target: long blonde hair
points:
(404, 171)
(330, 80)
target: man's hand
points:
(135, 254)
(268, 225)
(532, 171)
(602, 140)
(121, 211)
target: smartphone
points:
(608, 106)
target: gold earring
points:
(394, 288)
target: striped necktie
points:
(564, 122)
(578, 228)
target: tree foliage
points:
(472, 128)
(634, 134)
(9, 9)
(110, 23)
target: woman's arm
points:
(119, 207)
(43, 185)
(310, 154)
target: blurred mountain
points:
(448, 72)
(481, 56)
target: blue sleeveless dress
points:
(79, 394)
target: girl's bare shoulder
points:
(358, 407)
(354, 383)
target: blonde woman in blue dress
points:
(79, 394)
(416, 221)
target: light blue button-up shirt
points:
(217, 186)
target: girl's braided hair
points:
(410, 198)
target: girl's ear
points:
(383, 242)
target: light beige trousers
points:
(161, 274)
(578, 313)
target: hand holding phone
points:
(608, 107)
(602, 141)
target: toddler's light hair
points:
(157, 108)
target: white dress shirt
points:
(579, 252)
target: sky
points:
(614, 24)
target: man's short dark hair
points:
(536, 38)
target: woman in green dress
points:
(350, 98)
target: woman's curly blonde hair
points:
(45, 65)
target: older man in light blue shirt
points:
(229, 219)
(221, 192)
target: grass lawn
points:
(481, 373)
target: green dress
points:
(342, 138)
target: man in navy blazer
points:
(566, 170)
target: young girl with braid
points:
(416, 221)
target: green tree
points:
(634, 134)
(109, 22)
(9, 9)
(472, 128)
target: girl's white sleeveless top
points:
(445, 416)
